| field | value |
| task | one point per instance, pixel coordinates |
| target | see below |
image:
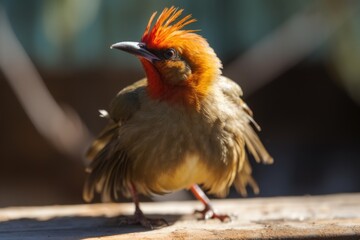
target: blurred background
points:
(298, 63)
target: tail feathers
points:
(255, 146)
(244, 178)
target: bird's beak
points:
(136, 48)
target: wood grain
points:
(306, 217)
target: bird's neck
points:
(189, 95)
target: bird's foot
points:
(139, 217)
(209, 213)
(149, 223)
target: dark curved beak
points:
(136, 48)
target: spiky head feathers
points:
(165, 27)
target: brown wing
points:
(107, 171)
(252, 141)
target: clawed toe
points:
(149, 223)
(209, 213)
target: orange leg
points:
(208, 212)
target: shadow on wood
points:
(73, 227)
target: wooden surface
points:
(327, 217)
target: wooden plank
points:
(315, 217)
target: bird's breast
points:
(172, 148)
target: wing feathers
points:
(109, 162)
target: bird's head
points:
(179, 64)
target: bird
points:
(184, 126)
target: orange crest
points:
(165, 28)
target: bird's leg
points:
(139, 217)
(208, 212)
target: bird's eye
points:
(170, 53)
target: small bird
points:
(182, 126)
